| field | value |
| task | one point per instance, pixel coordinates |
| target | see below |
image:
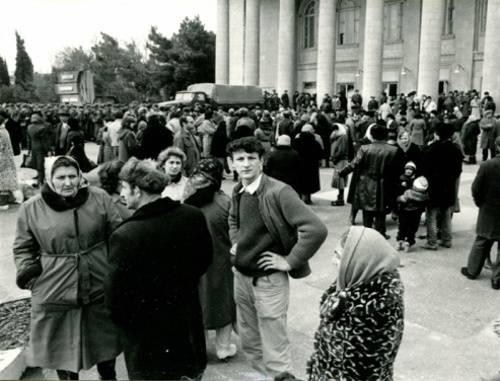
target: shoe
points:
(428, 246)
(400, 245)
(386, 236)
(446, 245)
(224, 354)
(337, 203)
(406, 247)
(495, 284)
(285, 376)
(466, 274)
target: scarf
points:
(53, 199)
(366, 254)
(404, 147)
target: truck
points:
(75, 87)
(217, 95)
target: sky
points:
(48, 26)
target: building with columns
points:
(324, 46)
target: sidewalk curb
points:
(12, 364)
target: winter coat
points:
(14, 130)
(220, 141)
(310, 154)
(485, 192)
(361, 313)
(413, 153)
(360, 331)
(70, 324)
(41, 142)
(154, 140)
(488, 127)
(189, 145)
(417, 131)
(470, 132)
(377, 170)
(207, 130)
(127, 144)
(216, 285)
(8, 172)
(282, 163)
(152, 290)
(442, 165)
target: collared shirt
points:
(253, 186)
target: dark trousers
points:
(478, 254)
(106, 370)
(374, 220)
(409, 220)
(485, 153)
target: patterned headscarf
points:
(207, 172)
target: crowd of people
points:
(115, 262)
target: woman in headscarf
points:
(216, 285)
(310, 153)
(407, 151)
(361, 314)
(61, 255)
(339, 157)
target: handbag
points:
(27, 161)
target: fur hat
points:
(411, 165)
(420, 184)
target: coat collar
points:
(153, 209)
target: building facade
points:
(324, 46)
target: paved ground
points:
(448, 324)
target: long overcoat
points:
(486, 194)
(71, 327)
(41, 141)
(8, 173)
(216, 285)
(158, 256)
(375, 166)
(310, 154)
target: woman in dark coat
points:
(158, 256)
(282, 163)
(216, 286)
(41, 140)
(407, 151)
(310, 154)
(470, 133)
(76, 144)
(361, 314)
(155, 138)
(61, 255)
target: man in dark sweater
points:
(273, 234)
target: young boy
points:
(412, 203)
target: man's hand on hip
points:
(272, 261)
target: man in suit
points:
(486, 196)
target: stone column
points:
(325, 74)
(222, 43)
(430, 47)
(286, 47)
(373, 50)
(252, 37)
(491, 63)
(236, 41)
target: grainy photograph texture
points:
(250, 190)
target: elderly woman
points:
(361, 314)
(216, 286)
(310, 153)
(61, 255)
(110, 181)
(172, 161)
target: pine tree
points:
(23, 75)
(4, 73)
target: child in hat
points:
(412, 203)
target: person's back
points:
(153, 287)
(283, 163)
